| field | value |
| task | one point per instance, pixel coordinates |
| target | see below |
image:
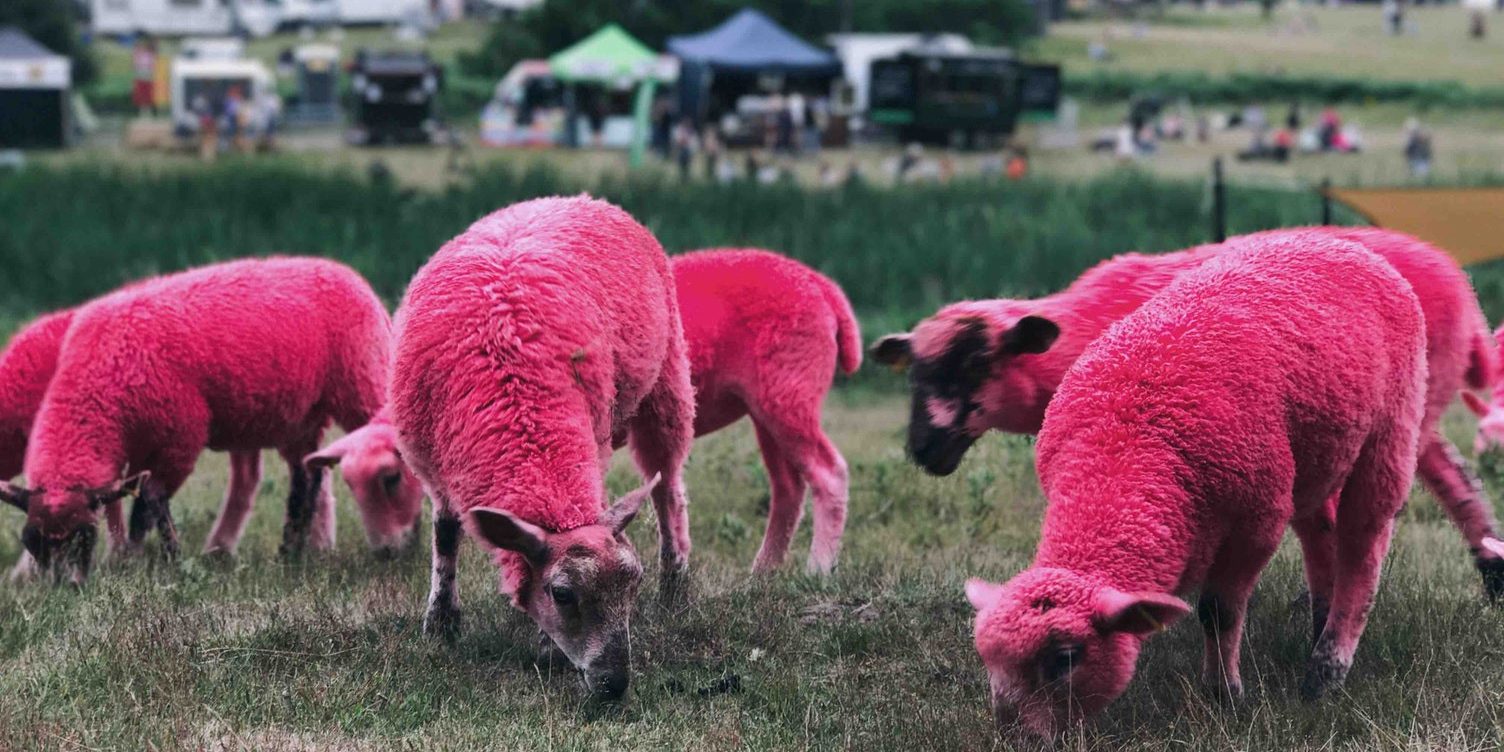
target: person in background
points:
(710, 145)
(144, 76)
(798, 108)
(684, 146)
(235, 118)
(208, 128)
(1018, 163)
(1417, 149)
(268, 115)
(815, 118)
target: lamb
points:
(995, 364)
(26, 368)
(522, 346)
(765, 336)
(387, 495)
(1281, 383)
(233, 357)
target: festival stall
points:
(35, 86)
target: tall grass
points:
(72, 233)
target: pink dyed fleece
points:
(521, 346)
(766, 335)
(243, 355)
(1460, 353)
(26, 368)
(1186, 438)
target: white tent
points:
(35, 86)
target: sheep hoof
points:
(442, 622)
(1323, 674)
(1492, 570)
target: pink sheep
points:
(26, 368)
(995, 364)
(233, 357)
(387, 495)
(1280, 384)
(766, 335)
(522, 346)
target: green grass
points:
(73, 233)
(1303, 41)
(328, 655)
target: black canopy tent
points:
(35, 85)
(736, 55)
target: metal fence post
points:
(1219, 203)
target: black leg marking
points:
(1213, 614)
(1493, 577)
(443, 616)
(166, 529)
(300, 502)
(143, 519)
(1320, 607)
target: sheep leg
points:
(443, 617)
(323, 533)
(785, 506)
(1318, 544)
(822, 468)
(240, 497)
(167, 529)
(1224, 602)
(1448, 478)
(1374, 493)
(302, 498)
(143, 519)
(114, 520)
(660, 437)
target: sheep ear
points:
(15, 496)
(1136, 613)
(501, 530)
(893, 350)
(625, 509)
(1031, 335)
(1475, 403)
(330, 455)
(1494, 546)
(983, 594)
(120, 489)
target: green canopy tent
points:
(612, 57)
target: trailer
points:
(35, 86)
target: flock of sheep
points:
(1189, 406)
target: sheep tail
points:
(848, 333)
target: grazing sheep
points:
(1280, 384)
(26, 368)
(971, 368)
(234, 357)
(388, 496)
(765, 336)
(522, 346)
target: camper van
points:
(175, 18)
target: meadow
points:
(327, 653)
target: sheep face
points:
(952, 362)
(581, 586)
(1059, 648)
(387, 494)
(60, 523)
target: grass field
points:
(327, 654)
(1302, 40)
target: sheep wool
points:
(766, 335)
(1282, 383)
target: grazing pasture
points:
(327, 653)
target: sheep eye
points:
(1059, 663)
(562, 596)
